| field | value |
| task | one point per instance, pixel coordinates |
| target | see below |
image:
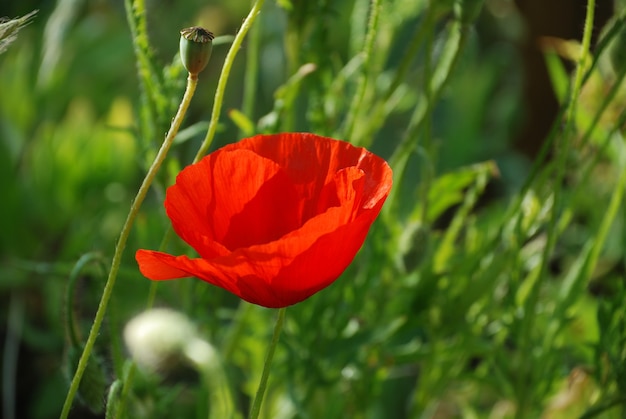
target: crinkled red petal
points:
(274, 218)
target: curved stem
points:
(221, 84)
(121, 243)
(258, 398)
(70, 324)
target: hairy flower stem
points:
(258, 398)
(223, 80)
(192, 81)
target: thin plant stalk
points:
(192, 81)
(223, 80)
(258, 398)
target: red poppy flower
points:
(274, 218)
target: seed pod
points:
(196, 45)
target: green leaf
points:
(449, 190)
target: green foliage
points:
(492, 285)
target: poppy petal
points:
(204, 208)
(162, 266)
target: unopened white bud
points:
(157, 338)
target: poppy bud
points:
(196, 45)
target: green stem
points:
(258, 399)
(223, 80)
(121, 243)
(357, 100)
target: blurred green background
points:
(452, 309)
